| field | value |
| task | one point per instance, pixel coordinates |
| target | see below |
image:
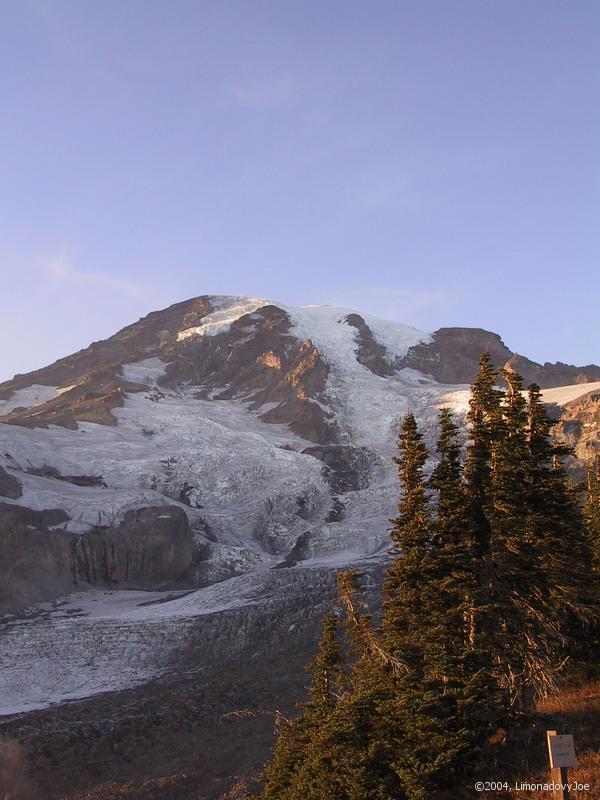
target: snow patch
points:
(564, 394)
(227, 311)
(65, 389)
(146, 372)
(28, 397)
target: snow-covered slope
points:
(272, 427)
(233, 463)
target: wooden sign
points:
(562, 751)
(562, 756)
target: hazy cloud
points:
(60, 270)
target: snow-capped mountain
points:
(205, 448)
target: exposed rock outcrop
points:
(9, 485)
(35, 563)
(548, 375)
(77, 480)
(151, 547)
(142, 339)
(258, 359)
(454, 353)
(370, 353)
(579, 427)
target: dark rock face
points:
(92, 400)
(95, 372)
(370, 353)
(548, 375)
(9, 486)
(77, 480)
(151, 547)
(34, 560)
(454, 353)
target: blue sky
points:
(433, 162)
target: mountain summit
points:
(232, 447)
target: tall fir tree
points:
(589, 652)
(297, 737)
(565, 542)
(439, 704)
(454, 575)
(484, 421)
(411, 537)
(591, 510)
(416, 709)
(526, 630)
(557, 517)
(480, 699)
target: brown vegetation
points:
(14, 784)
(576, 710)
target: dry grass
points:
(577, 711)
(14, 784)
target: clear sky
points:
(432, 162)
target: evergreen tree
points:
(438, 706)
(337, 747)
(526, 630)
(564, 539)
(588, 653)
(556, 517)
(484, 420)
(297, 736)
(591, 510)
(454, 574)
(416, 710)
(411, 536)
(480, 700)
